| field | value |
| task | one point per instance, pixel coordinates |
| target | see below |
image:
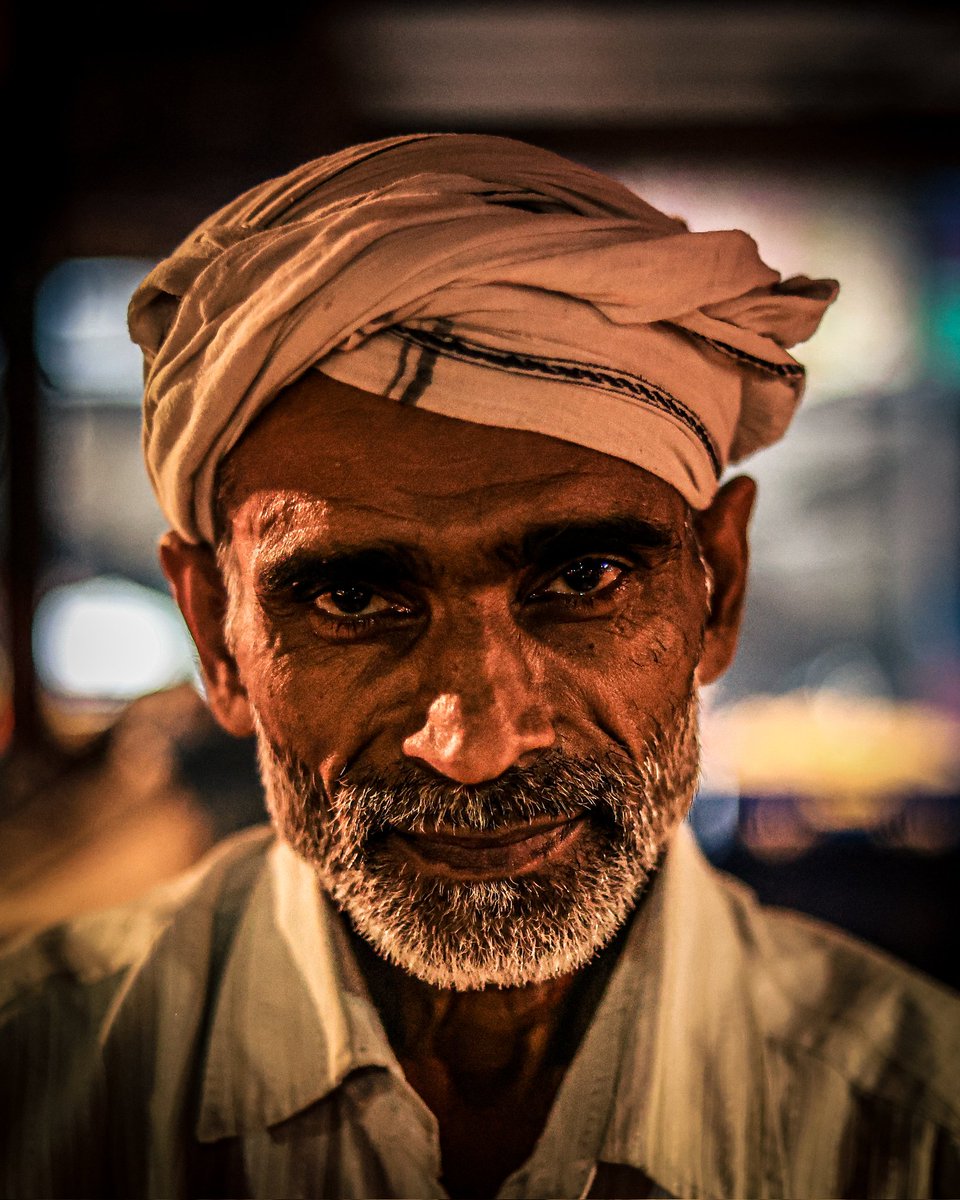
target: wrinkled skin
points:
(468, 653)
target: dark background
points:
(127, 125)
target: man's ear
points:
(722, 534)
(199, 590)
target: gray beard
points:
(508, 932)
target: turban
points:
(480, 278)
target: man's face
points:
(469, 656)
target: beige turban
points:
(476, 277)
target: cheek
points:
(661, 637)
(660, 647)
(323, 702)
(629, 679)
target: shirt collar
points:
(292, 1018)
(692, 1104)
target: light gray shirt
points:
(217, 1038)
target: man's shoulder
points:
(824, 997)
(93, 951)
(82, 1005)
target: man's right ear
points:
(198, 587)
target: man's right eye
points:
(353, 600)
(354, 611)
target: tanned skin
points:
(472, 654)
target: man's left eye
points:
(583, 578)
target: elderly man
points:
(438, 424)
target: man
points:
(438, 425)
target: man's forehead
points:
(329, 456)
(284, 526)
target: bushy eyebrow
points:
(381, 565)
(553, 543)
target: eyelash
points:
(348, 625)
(586, 599)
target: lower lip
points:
(480, 856)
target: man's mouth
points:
(496, 853)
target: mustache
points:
(557, 786)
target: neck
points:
(489, 1060)
(489, 1039)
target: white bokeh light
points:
(110, 639)
(81, 334)
(870, 340)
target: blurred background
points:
(832, 755)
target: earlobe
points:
(722, 534)
(198, 588)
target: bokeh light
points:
(110, 639)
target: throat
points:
(489, 1121)
(487, 1063)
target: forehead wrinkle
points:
(275, 515)
(280, 516)
(488, 489)
(290, 513)
(293, 521)
(288, 523)
(282, 525)
(288, 527)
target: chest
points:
(486, 1134)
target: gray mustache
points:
(557, 787)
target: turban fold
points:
(480, 278)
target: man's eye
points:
(352, 600)
(582, 578)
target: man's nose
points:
(485, 710)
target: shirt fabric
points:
(217, 1038)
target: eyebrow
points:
(300, 570)
(554, 542)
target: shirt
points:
(217, 1038)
